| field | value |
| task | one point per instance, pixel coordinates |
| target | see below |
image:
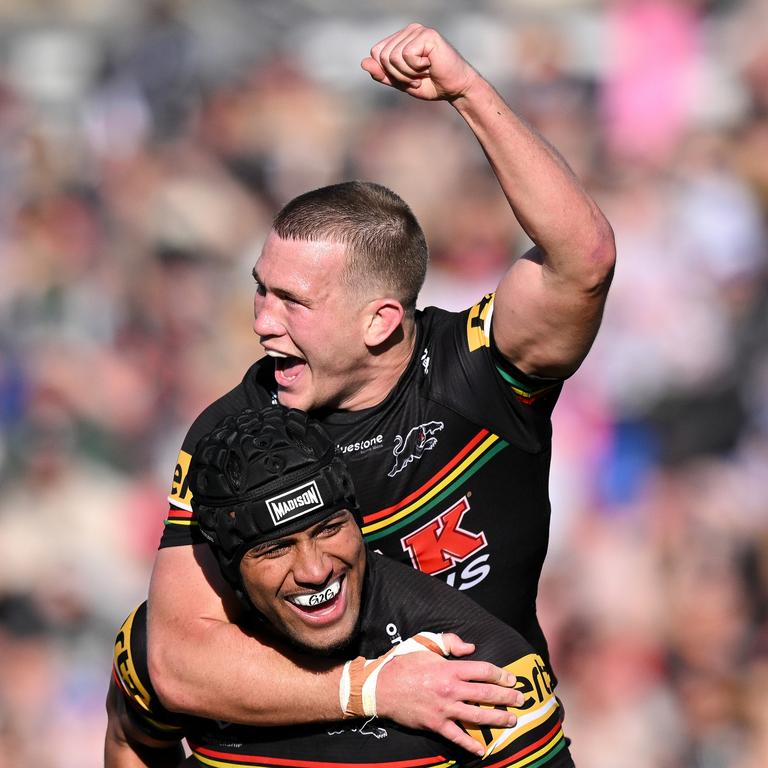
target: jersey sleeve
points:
(537, 739)
(473, 377)
(131, 674)
(180, 525)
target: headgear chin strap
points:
(263, 474)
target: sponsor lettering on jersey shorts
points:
(539, 708)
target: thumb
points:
(374, 69)
(456, 646)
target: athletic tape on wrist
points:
(357, 688)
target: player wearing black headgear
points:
(264, 474)
(267, 484)
(280, 513)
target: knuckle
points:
(487, 693)
(500, 717)
(485, 670)
(472, 715)
(446, 687)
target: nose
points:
(311, 566)
(265, 318)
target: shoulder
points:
(419, 602)
(253, 391)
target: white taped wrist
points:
(344, 687)
(357, 687)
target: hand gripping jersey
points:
(397, 602)
(451, 470)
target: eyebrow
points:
(283, 293)
(315, 529)
(264, 546)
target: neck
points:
(386, 364)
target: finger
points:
(489, 717)
(484, 717)
(461, 738)
(375, 70)
(407, 55)
(391, 55)
(389, 41)
(456, 646)
(416, 51)
(488, 694)
(483, 672)
(392, 65)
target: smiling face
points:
(308, 585)
(311, 324)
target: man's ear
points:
(382, 318)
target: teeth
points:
(318, 598)
(274, 353)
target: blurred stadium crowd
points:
(143, 149)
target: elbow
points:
(599, 260)
(166, 682)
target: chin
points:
(329, 647)
(295, 400)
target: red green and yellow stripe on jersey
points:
(538, 728)
(524, 393)
(471, 458)
(534, 755)
(479, 335)
(178, 516)
(180, 497)
(219, 759)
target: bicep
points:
(187, 592)
(187, 585)
(544, 322)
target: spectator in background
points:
(133, 347)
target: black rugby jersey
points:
(451, 470)
(397, 602)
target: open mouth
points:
(318, 601)
(287, 367)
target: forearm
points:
(217, 671)
(546, 197)
(549, 304)
(202, 664)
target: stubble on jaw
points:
(341, 649)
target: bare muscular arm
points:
(203, 664)
(549, 304)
